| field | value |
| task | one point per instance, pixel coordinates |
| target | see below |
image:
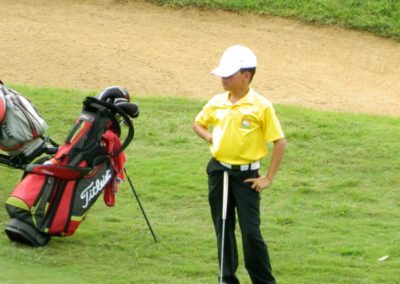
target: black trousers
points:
(247, 204)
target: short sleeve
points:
(204, 117)
(272, 127)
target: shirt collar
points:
(247, 99)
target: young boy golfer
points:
(242, 123)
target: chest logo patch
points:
(245, 123)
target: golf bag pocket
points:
(76, 200)
(27, 203)
(57, 206)
(27, 207)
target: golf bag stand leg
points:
(140, 205)
(224, 209)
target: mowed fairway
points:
(334, 208)
(331, 214)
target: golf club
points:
(224, 208)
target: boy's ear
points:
(248, 75)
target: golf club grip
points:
(225, 195)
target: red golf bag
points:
(53, 198)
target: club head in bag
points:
(112, 93)
(130, 109)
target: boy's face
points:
(236, 81)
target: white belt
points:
(253, 166)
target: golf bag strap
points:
(61, 172)
(6, 160)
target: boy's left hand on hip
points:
(260, 183)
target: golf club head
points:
(130, 109)
(120, 100)
(112, 93)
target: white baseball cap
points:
(235, 58)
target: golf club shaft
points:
(140, 205)
(222, 252)
(225, 195)
(224, 209)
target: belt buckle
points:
(255, 165)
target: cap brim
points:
(222, 71)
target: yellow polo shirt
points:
(240, 131)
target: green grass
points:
(331, 213)
(380, 17)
